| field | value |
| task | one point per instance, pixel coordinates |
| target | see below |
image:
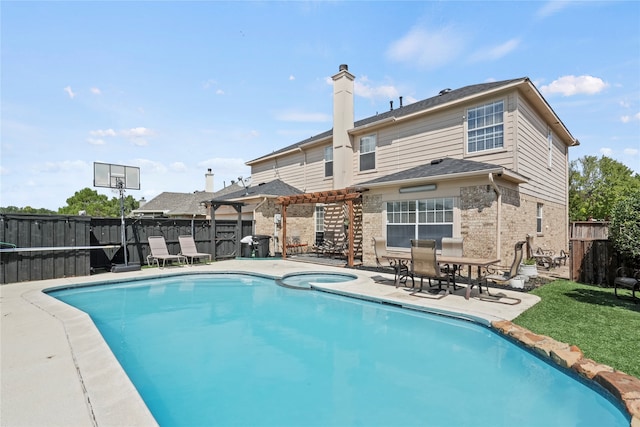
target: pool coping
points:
(78, 371)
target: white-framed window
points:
(485, 127)
(539, 218)
(550, 148)
(328, 161)
(419, 219)
(368, 152)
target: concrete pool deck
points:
(56, 369)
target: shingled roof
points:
(273, 188)
(445, 97)
(442, 169)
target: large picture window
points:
(328, 161)
(419, 219)
(368, 152)
(485, 127)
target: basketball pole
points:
(123, 233)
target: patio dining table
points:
(400, 262)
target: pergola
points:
(347, 195)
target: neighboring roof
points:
(173, 204)
(445, 97)
(273, 188)
(446, 168)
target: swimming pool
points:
(230, 349)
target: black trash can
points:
(262, 245)
(246, 250)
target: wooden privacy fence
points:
(39, 247)
(592, 257)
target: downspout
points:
(304, 168)
(498, 216)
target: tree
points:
(595, 185)
(26, 210)
(94, 204)
(624, 229)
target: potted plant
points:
(528, 268)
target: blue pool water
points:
(228, 349)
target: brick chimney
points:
(208, 181)
(342, 122)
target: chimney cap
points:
(343, 67)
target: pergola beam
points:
(347, 195)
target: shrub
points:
(624, 228)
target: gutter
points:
(498, 216)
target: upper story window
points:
(485, 127)
(368, 152)
(328, 161)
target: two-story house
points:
(486, 162)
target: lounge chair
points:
(189, 250)
(159, 251)
(502, 276)
(425, 265)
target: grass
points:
(605, 328)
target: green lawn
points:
(605, 328)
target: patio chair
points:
(452, 246)
(560, 259)
(400, 268)
(159, 251)
(627, 278)
(189, 250)
(425, 265)
(502, 276)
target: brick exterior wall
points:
(478, 218)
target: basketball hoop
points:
(118, 178)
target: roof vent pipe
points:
(400, 102)
(391, 104)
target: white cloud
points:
(136, 132)
(103, 132)
(299, 116)
(365, 90)
(551, 8)
(631, 152)
(427, 49)
(573, 85)
(209, 83)
(96, 141)
(69, 92)
(96, 91)
(178, 167)
(219, 92)
(4, 171)
(496, 52)
(606, 151)
(150, 166)
(291, 77)
(64, 166)
(627, 119)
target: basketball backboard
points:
(116, 176)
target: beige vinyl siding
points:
(533, 157)
(406, 144)
(302, 169)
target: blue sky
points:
(179, 87)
